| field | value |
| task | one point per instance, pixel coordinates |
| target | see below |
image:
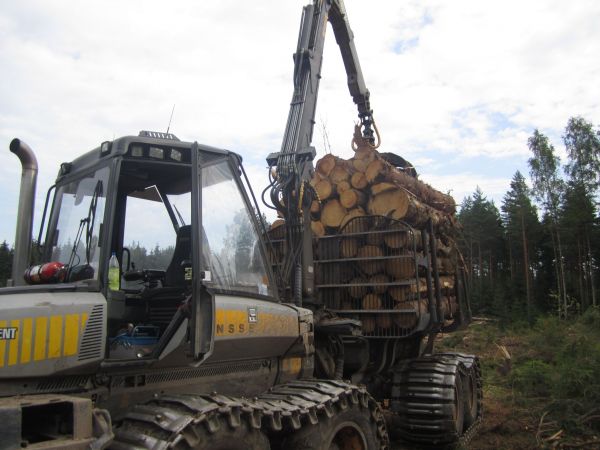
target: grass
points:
(547, 394)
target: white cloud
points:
(448, 80)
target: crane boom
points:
(291, 194)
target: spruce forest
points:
(537, 253)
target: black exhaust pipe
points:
(25, 212)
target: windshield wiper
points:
(88, 222)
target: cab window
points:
(231, 253)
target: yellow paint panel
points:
(13, 349)
(56, 331)
(41, 331)
(26, 340)
(2, 344)
(71, 334)
(235, 322)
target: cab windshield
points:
(76, 224)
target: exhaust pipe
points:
(25, 212)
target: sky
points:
(457, 87)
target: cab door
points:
(234, 285)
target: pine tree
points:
(483, 246)
(522, 225)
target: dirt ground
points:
(505, 425)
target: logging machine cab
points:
(134, 198)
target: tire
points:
(217, 434)
(354, 426)
(459, 406)
(472, 393)
(160, 426)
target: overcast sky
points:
(457, 86)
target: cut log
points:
(325, 165)
(371, 301)
(375, 237)
(409, 320)
(394, 203)
(397, 239)
(357, 292)
(368, 265)
(360, 165)
(324, 189)
(333, 213)
(401, 205)
(379, 282)
(400, 268)
(382, 187)
(339, 173)
(352, 198)
(358, 180)
(434, 198)
(343, 186)
(368, 324)
(317, 228)
(377, 170)
(400, 293)
(356, 226)
(383, 321)
(349, 247)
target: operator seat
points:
(174, 283)
(175, 273)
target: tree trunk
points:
(526, 267)
(591, 267)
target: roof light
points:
(105, 148)
(176, 155)
(137, 151)
(157, 153)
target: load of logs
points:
(363, 207)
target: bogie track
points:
(437, 400)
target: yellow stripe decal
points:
(56, 331)
(71, 334)
(41, 331)
(13, 349)
(2, 344)
(26, 340)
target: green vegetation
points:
(539, 253)
(541, 383)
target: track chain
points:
(170, 421)
(423, 397)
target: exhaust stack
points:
(25, 212)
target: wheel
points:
(428, 397)
(458, 412)
(165, 424)
(217, 434)
(354, 426)
(472, 392)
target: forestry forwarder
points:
(214, 350)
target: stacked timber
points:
(369, 217)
